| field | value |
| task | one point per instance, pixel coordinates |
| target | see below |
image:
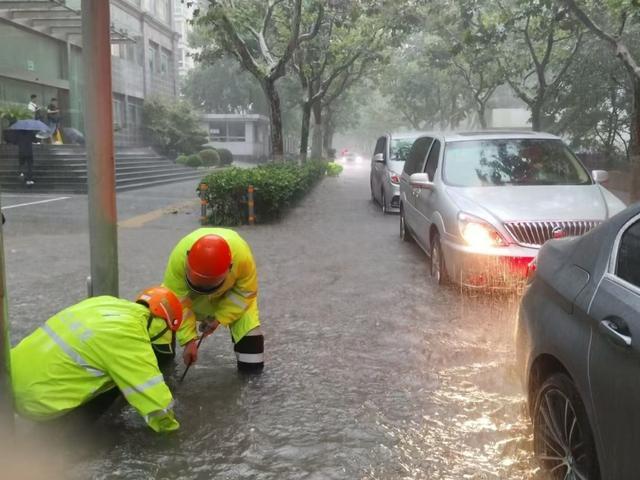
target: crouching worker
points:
(213, 272)
(82, 358)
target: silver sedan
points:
(386, 167)
(482, 204)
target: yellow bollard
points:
(202, 193)
(250, 203)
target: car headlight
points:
(479, 233)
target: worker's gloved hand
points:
(208, 326)
(190, 352)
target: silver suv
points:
(386, 167)
(481, 204)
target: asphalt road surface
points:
(372, 371)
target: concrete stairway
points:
(63, 169)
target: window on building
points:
(164, 62)
(131, 51)
(132, 114)
(118, 50)
(139, 47)
(235, 132)
(218, 131)
(152, 64)
(163, 10)
(154, 57)
(118, 117)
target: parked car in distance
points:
(481, 204)
(387, 163)
(578, 352)
(349, 157)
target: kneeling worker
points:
(213, 272)
(82, 357)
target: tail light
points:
(395, 179)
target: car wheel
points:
(562, 437)
(438, 265)
(404, 230)
(383, 202)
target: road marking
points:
(140, 220)
(35, 203)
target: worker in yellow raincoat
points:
(213, 272)
(85, 355)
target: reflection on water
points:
(474, 424)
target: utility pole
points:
(6, 393)
(98, 124)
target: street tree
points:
(427, 96)
(594, 108)
(541, 42)
(343, 49)
(616, 23)
(466, 48)
(262, 36)
(224, 87)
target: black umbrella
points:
(30, 125)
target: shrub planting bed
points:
(277, 186)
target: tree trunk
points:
(481, 115)
(277, 142)
(536, 117)
(316, 144)
(634, 144)
(327, 140)
(304, 132)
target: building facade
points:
(41, 53)
(184, 54)
(246, 136)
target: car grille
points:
(395, 201)
(534, 234)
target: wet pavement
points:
(373, 372)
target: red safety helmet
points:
(163, 303)
(208, 263)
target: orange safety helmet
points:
(208, 263)
(163, 303)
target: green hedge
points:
(277, 186)
(226, 157)
(210, 157)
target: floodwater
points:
(373, 372)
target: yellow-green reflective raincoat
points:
(234, 304)
(85, 350)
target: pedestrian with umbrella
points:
(25, 136)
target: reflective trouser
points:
(249, 351)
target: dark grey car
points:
(578, 348)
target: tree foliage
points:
(262, 36)
(172, 126)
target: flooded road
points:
(372, 371)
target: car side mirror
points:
(600, 176)
(420, 180)
(378, 158)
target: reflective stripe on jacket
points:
(87, 349)
(234, 304)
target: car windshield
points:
(488, 163)
(400, 148)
